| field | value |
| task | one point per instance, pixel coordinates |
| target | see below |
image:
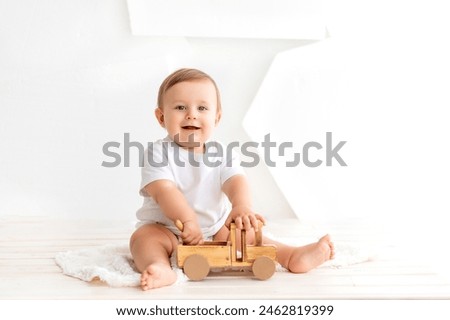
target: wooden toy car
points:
(198, 260)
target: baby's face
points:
(189, 113)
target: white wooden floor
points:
(28, 271)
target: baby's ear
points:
(218, 117)
(159, 116)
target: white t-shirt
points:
(198, 176)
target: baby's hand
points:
(244, 218)
(191, 232)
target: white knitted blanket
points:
(114, 265)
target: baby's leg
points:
(304, 258)
(151, 246)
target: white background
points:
(73, 77)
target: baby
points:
(182, 179)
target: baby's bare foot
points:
(311, 256)
(157, 275)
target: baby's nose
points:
(191, 114)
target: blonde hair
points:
(182, 75)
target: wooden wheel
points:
(196, 267)
(263, 268)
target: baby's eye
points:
(180, 108)
(202, 108)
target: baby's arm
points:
(175, 207)
(238, 192)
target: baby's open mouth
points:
(190, 127)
